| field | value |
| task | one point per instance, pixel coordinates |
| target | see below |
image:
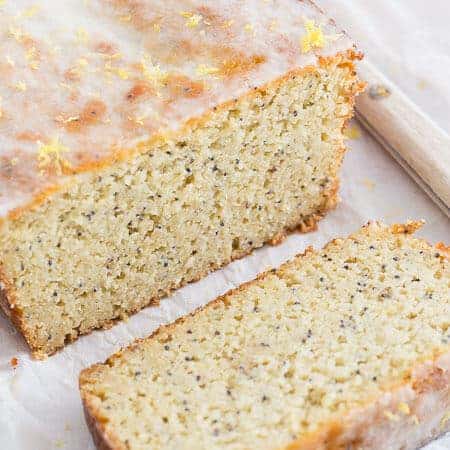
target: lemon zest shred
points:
(391, 416)
(10, 61)
(404, 408)
(16, 33)
(30, 12)
(228, 23)
(152, 72)
(249, 28)
(82, 35)
(122, 73)
(82, 62)
(21, 86)
(203, 69)
(445, 419)
(51, 154)
(314, 37)
(62, 119)
(192, 20)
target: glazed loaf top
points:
(86, 82)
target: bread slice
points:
(344, 348)
(145, 143)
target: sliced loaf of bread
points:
(345, 348)
(165, 140)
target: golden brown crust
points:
(408, 228)
(102, 440)
(445, 249)
(9, 307)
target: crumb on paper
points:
(59, 443)
(352, 131)
(14, 362)
(369, 184)
(378, 92)
(422, 85)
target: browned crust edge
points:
(14, 313)
(327, 438)
(100, 437)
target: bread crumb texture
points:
(118, 239)
(345, 348)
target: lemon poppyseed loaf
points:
(144, 143)
(345, 348)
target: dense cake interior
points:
(126, 235)
(278, 358)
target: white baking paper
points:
(40, 407)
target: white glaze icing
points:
(385, 425)
(97, 76)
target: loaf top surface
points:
(84, 82)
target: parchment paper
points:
(40, 407)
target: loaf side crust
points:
(373, 427)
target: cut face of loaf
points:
(345, 348)
(149, 168)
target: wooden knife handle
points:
(411, 136)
